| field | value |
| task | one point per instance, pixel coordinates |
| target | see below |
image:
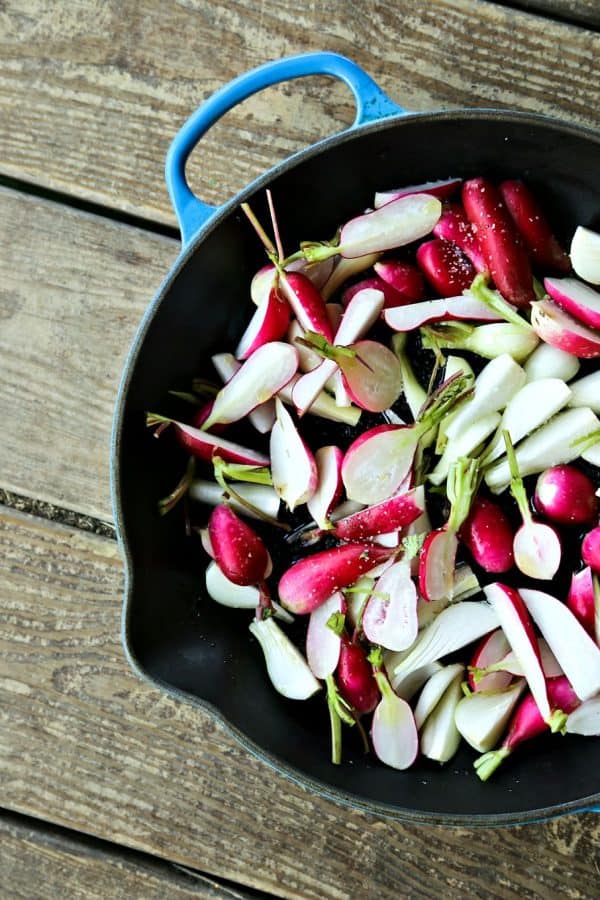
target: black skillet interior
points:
(173, 633)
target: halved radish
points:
(393, 731)
(436, 565)
(581, 599)
(205, 446)
(287, 668)
(399, 222)
(378, 461)
(269, 323)
(585, 254)
(492, 649)
(372, 376)
(440, 738)
(260, 496)
(442, 189)
(322, 642)
(306, 302)
(577, 298)
(329, 484)
(413, 315)
(293, 466)
(389, 515)
(262, 417)
(555, 326)
(390, 616)
(236, 596)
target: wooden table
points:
(109, 788)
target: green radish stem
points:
(219, 466)
(517, 488)
(481, 290)
(339, 711)
(180, 490)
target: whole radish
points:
(238, 550)
(489, 536)
(355, 679)
(566, 495)
(581, 599)
(590, 549)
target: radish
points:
(399, 222)
(456, 626)
(454, 365)
(311, 580)
(393, 730)
(345, 269)
(410, 683)
(404, 278)
(329, 484)
(227, 593)
(565, 494)
(530, 407)
(581, 599)
(434, 690)
(392, 297)
(555, 326)
(576, 652)
(495, 386)
(547, 361)
(465, 444)
(323, 642)
(287, 668)
(355, 678)
(454, 226)
(586, 392)
(585, 254)
(553, 444)
(511, 665)
(489, 341)
(259, 496)
(323, 405)
(590, 549)
(438, 555)
(526, 213)
(491, 650)
(585, 720)
(506, 259)
(413, 315)
(445, 267)
(371, 375)
(514, 619)
(536, 546)
(528, 723)
(318, 273)
(442, 189)
(306, 302)
(269, 323)
(262, 284)
(260, 378)
(465, 585)
(390, 616)
(206, 446)
(238, 550)
(440, 738)
(577, 298)
(482, 718)
(388, 515)
(414, 394)
(307, 358)
(263, 416)
(293, 466)
(488, 535)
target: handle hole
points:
(263, 131)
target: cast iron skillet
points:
(174, 636)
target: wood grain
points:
(73, 288)
(85, 744)
(94, 91)
(46, 863)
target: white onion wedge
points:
(550, 362)
(585, 720)
(287, 668)
(592, 454)
(322, 643)
(263, 416)
(496, 384)
(390, 617)
(576, 652)
(535, 403)
(553, 444)
(293, 467)
(235, 596)
(260, 378)
(586, 392)
(440, 738)
(262, 496)
(433, 691)
(482, 718)
(397, 223)
(393, 730)
(407, 685)
(585, 254)
(413, 315)
(329, 484)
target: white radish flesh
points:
(534, 404)
(537, 550)
(262, 496)
(577, 298)
(374, 469)
(324, 406)
(482, 718)
(550, 666)
(263, 416)
(414, 315)
(322, 643)
(585, 254)
(440, 738)
(556, 326)
(307, 358)
(397, 223)
(547, 361)
(236, 596)
(390, 617)
(442, 189)
(329, 484)
(434, 690)
(586, 392)
(489, 652)
(287, 668)
(293, 466)
(268, 323)
(393, 730)
(345, 269)
(576, 652)
(585, 720)
(464, 444)
(553, 444)
(407, 685)
(495, 385)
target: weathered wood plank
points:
(72, 291)
(41, 862)
(93, 92)
(84, 744)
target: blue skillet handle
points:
(371, 104)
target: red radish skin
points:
(307, 303)
(441, 189)
(590, 550)
(556, 327)
(566, 495)
(389, 515)
(202, 414)
(488, 535)
(204, 446)
(355, 678)
(436, 565)
(445, 267)
(506, 259)
(528, 723)
(414, 315)
(578, 299)
(454, 226)
(403, 277)
(238, 550)
(329, 484)
(392, 297)
(533, 227)
(269, 323)
(311, 580)
(582, 600)
(490, 650)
